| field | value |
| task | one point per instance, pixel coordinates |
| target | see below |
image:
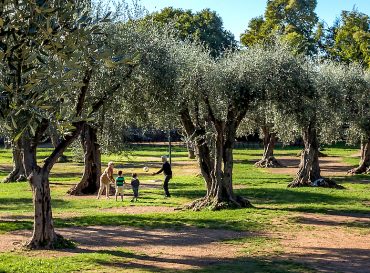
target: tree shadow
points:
(354, 179)
(344, 260)
(359, 221)
(292, 196)
(8, 225)
(176, 220)
(164, 263)
(26, 203)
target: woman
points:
(105, 179)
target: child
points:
(120, 180)
(135, 186)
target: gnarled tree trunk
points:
(18, 173)
(89, 183)
(364, 165)
(309, 173)
(190, 148)
(217, 169)
(268, 160)
(43, 235)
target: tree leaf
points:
(8, 127)
(13, 122)
(32, 130)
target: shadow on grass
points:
(292, 196)
(177, 220)
(204, 264)
(26, 203)
(362, 221)
(354, 179)
(11, 225)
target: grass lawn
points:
(276, 209)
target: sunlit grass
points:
(273, 202)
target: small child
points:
(135, 186)
(120, 180)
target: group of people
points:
(107, 177)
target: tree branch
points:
(83, 91)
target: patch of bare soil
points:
(330, 166)
(187, 248)
(140, 209)
(357, 154)
(326, 243)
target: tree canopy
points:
(205, 26)
(294, 20)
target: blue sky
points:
(237, 13)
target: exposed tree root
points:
(13, 178)
(214, 204)
(59, 242)
(321, 182)
(270, 162)
(358, 170)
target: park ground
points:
(287, 230)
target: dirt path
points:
(330, 166)
(157, 248)
(328, 243)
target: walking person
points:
(105, 179)
(167, 171)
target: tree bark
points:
(190, 148)
(43, 235)
(89, 183)
(364, 165)
(216, 170)
(268, 160)
(309, 173)
(55, 140)
(18, 173)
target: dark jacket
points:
(166, 169)
(135, 182)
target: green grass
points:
(22, 262)
(273, 202)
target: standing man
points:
(166, 169)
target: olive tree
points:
(258, 119)
(210, 98)
(316, 109)
(52, 85)
(358, 114)
(107, 82)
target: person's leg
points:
(136, 193)
(165, 185)
(116, 194)
(101, 188)
(107, 190)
